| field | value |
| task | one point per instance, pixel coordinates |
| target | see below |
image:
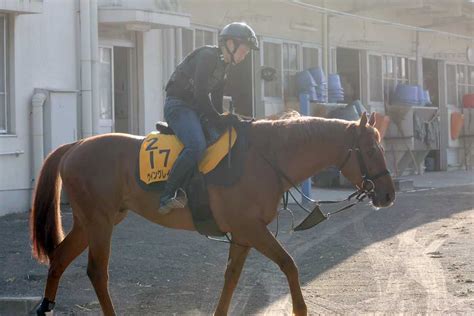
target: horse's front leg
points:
(258, 235)
(235, 263)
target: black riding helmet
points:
(240, 32)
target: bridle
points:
(316, 216)
(368, 181)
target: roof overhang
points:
(22, 7)
(143, 20)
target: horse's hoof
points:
(300, 311)
(45, 307)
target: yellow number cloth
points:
(159, 152)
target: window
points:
(465, 81)
(375, 73)
(394, 71)
(195, 38)
(187, 42)
(290, 68)
(272, 58)
(412, 72)
(310, 57)
(451, 83)
(202, 38)
(4, 110)
(285, 58)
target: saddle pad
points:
(159, 152)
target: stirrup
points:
(179, 200)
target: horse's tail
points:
(46, 229)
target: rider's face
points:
(240, 54)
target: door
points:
(106, 90)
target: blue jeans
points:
(186, 124)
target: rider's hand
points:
(229, 119)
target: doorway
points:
(430, 79)
(123, 102)
(431, 83)
(348, 67)
(117, 108)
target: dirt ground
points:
(415, 257)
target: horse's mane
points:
(295, 131)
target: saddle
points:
(163, 128)
(160, 149)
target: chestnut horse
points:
(98, 174)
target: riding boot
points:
(173, 196)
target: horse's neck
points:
(311, 157)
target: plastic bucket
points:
(305, 80)
(468, 100)
(359, 107)
(407, 94)
(457, 120)
(318, 74)
(334, 82)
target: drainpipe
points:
(86, 69)
(37, 102)
(94, 29)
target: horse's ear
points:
(363, 119)
(372, 119)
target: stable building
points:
(73, 69)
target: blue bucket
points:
(318, 74)
(359, 107)
(313, 96)
(407, 94)
(305, 80)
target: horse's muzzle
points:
(382, 199)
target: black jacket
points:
(201, 73)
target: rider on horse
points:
(188, 105)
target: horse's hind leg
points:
(72, 246)
(262, 239)
(100, 233)
(237, 256)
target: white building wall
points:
(43, 56)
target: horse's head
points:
(364, 164)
